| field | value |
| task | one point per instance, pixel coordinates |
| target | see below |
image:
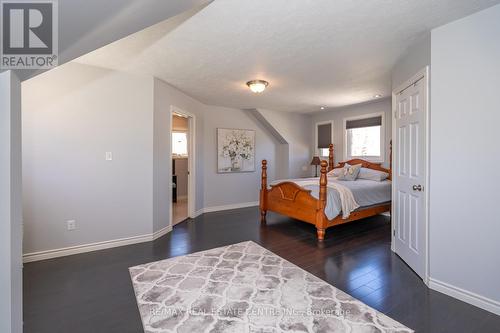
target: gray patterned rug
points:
(245, 288)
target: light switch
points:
(109, 156)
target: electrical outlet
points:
(109, 156)
(71, 225)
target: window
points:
(364, 138)
(324, 136)
(179, 144)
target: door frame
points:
(422, 74)
(191, 161)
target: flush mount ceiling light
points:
(377, 96)
(257, 86)
(322, 108)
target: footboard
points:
(290, 199)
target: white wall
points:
(295, 129)
(228, 189)
(417, 57)
(11, 277)
(465, 155)
(338, 115)
(72, 115)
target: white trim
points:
(191, 160)
(162, 232)
(382, 137)
(228, 207)
(465, 296)
(316, 149)
(71, 250)
(198, 213)
(84, 248)
(422, 74)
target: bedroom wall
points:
(338, 115)
(294, 128)
(412, 61)
(72, 115)
(465, 156)
(11, 276)
(75, 113)
(236, 188)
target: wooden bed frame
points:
(289, 199)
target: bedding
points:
(365, 193)
(349, 172)
(371, 174)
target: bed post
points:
(330, 157)
(263, 193)
(321, 222)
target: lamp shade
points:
(315, 161)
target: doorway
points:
(410, 172)
(182, 157)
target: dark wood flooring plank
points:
(92, 292)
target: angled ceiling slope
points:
(86, 25)
(313, 52)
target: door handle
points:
(417, 188)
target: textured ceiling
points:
(313, 52)
(85, 25)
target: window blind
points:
(366, 122)
(324, 135)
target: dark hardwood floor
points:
(92, 292)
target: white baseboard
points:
(465, 296)
(228, 207)
(67, 251)
(197, 213)
(71, 250)
(161, 232)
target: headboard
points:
(364, 164)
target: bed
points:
(315, 201)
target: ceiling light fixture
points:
(322, 108)
(257, 86)
(377, 96)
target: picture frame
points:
(235, 150)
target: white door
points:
(409, 174)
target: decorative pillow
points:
(349, 172)
(335, 172)
(370, 174)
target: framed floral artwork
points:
(235, 150)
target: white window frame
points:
(374, 159)
(316, 149)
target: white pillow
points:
(371, 174)
(349, 172)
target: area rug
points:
(246, 288)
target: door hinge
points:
(394, 232)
